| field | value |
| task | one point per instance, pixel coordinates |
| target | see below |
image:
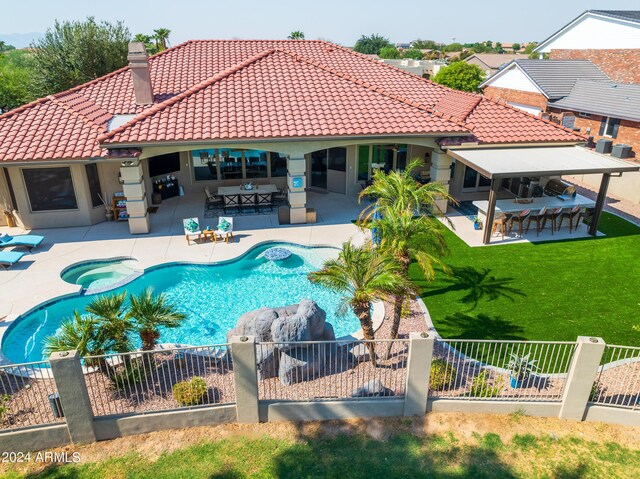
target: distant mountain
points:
(19, 40)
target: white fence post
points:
(74, 397)
(581, 376)
(418, 370)
(245, 374)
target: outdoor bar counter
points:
(551, 202)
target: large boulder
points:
(300, 364)
(288, 325)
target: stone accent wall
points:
(628, 133)
(516, 96)
(620, 65)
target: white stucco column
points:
(135, 192)
(441, 172)
(296, 183)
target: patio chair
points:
(500, 222)
(538, 218)
(212, 200)
(9, 258)
(585, 216)
(191, 229)
(264, 200)
(26, 241)
(553, 216)
(225, 228)
(231, 202)
(523, 215)
(571, 215)
(248, 201)
(280, 196)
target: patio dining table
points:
(239, 190)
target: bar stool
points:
(570, 215)
(520, 220)
(500, 222)
(538, 218)
(551, 215)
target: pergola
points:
(513, 162)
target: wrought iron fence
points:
(148, 381)
(501, 370)
(28, 396)
(618, 380)
(325, 370)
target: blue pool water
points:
(212, 296)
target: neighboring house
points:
(603, 109)
(421, 68)
(492, 62)
(209, 113)
(531, 85)
(609, 38)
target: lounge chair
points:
(9, 258)
(26, 241)
(191, 229)
(225, 228)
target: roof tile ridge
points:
(425, 80)
(549, 122)
(74, 112)
(368, 85)
(22, 108)
(153, 109)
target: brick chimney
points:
(139, 64)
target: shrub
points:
(481, 386)
(442, 375)
(190, 392)
(127, 375)
(4, 405)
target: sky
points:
(341, 21)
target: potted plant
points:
(106, 199)
(477, 224)
(8, 214)
(521, 367)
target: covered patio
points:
(537, 168)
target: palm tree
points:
(362, 275)
(408, 238)
(402, 234)
(79, 333)
(399, 191)
(113, 322)
(161, 36)
(296, 35)
(150, 312)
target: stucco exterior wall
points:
(621, 65)
(84, 215)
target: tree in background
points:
(5, 47)
(296, 35)
(75, 52)
(499, 48)
(454, 47)
(413, 53)
(371, 45)
(516, 47)
(149, 44)
(161, 37)
(17, 85)
(389, 52)
(460, 76)
(424, 44)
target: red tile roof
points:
(213, 89)
(282, 95)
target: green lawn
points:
(546, 291)
(356, 456)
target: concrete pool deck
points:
(36, 278)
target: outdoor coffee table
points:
(209, 234)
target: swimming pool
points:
(100, 275)
(212, 296)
